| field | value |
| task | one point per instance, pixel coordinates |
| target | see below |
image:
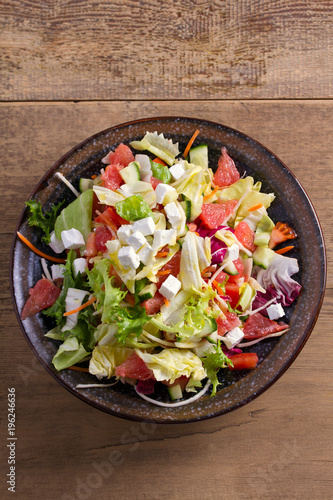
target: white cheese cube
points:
(170, 287)
(232, 253)
(177, 171)
(128, 258)
(57, 271)
(164, 237)
(79, 266)
(233, 337)
(145, 254)
(125, 189)
(136, 240)
(146, 226)
(56, 245)
(113, 246)
(124, 232)
(173, 214)
(72, 239)
(275, 311)
(165, 194)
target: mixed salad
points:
(166, 270)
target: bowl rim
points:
(301, 342)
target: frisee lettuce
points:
(45, 221)
(213, 363)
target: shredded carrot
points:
(78, 369)
(38, 252)
(158, 160)
(191, 141)
(285, 249)
(93, 176)
(217, 285)
(107, 221)
(166, 302)
(255, 207)
(162, 254)
(196, 232)
(163, 273)
(205, 270)
(82, 306)
(205, 198)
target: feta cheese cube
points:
(232, 253)
(57, 271)
(275, 311)
(136, 240)
(113, 246)
(125, 189)
(164, 237)
(233, 337)
(128, 258)
(165, 194)
(56, 245)
(177, 171)
(124, 232)
(72, 238)
(79, 266)
(170, 287)
(146, 226)
(173, 214)
(145, 254)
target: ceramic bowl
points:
(292, 205)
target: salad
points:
(164, 271)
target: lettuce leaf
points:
(159, 146)
(170, 364)
(194, 259)
(45, 221)
(133, 208)
(105, 358)
(160, 172)
(69, 353)
(77, 214)
(213, 362)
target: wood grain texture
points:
(277, 447)
(175, 49)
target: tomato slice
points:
(238, 263)
(103, 235)
(245, 236)
(232, 290)
(244, 361)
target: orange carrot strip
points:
(166, 302)
(158, 160)
(82, 306)
(191, 141)
(93, 176)
(107, 221)
(163, 273)
(78, 369)
(217, 285)
(255, 207)
(162, 254)
(38, 252)
(205, 198)
(196, 232)
(285, 249)
(205, 270)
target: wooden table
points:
(71, 69)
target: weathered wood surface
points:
(175, 49)
(277, 447)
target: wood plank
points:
(165, 50)
(276, 447)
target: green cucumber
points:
(148, 291)
(131, 173)
(175, 392)
(262, 257)
(199, 155)
(212, 337)
(196, 208)
(245, 299)
(263, 232)
(85, 184)
(231, 269)
(186, 204)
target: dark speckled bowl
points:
(291, 205)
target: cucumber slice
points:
(263, 256)
(175, 392)
(199, 155)
(131, 173)
(148, 292)
(85, 184)
(196, 208)
(212, 337)
(231, 269)
(245, 299)
(186, 204)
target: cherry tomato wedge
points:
(244, 361)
